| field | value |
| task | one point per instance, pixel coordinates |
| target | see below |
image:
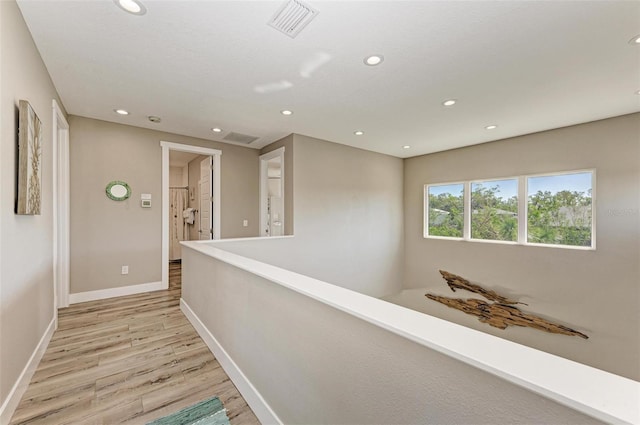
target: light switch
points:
(245, 223)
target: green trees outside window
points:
(494, 210)
(446, 210)
(560, 217)
(558, 210)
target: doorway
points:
(272, 193)
(181, 216)
(215, 160)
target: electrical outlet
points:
(245, 223)
(125, 270)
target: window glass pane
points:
(494, 210)
(445, 210)
(559, 209)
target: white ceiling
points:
(526, 66)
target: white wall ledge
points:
(594, 392)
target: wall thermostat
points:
(145, 200)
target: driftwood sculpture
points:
(499, 314)
(457, 282)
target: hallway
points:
(126, 360)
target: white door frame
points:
(61, 198)
(264, 186)
(216, 154)
(208, 226)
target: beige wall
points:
(106, 234)
(348, 207)
(240, 181)
(26, 242)
(287, 143)
(596, 292)
(348, 219)
(178, 176)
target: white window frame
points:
(593, 209)
(425, 200)
(522, 210)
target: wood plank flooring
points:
(126, 360)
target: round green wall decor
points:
(118, 191)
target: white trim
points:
(61, 208)
(190, 148)
(264, 189)
(216, 154)
(594, 209)
(121, 291)
(254, 399)
(274, 154)
(17, 391)
(425, 211)
(594, 392)
(523, 228)
(466, 211)
(217, 192)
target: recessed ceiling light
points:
(374, 60)
(491, 127)
(154, 119)
(358, 133)
(638, 92)
(449, 102)
(132, 6)
(121, 112)
(286, 112)
(406, 147)
(216, 130)
(635, 40)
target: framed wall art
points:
(29, 161)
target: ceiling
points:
(525, 66)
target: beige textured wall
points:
(177, 176)
(240, 191)
(26, 242)
(348, 219)
(287, 143)
(596, 292)
(106, 234)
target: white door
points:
(206, 198)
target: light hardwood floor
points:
(126, 360)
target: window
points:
(559, 209)
(554, 209)
(494, 210)
(445, 210)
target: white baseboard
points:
(102, 294)
(15, 395)
(262, 410)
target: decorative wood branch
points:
(501, 316)
(458, 282)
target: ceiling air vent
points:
(239, 138)
(292, 17)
